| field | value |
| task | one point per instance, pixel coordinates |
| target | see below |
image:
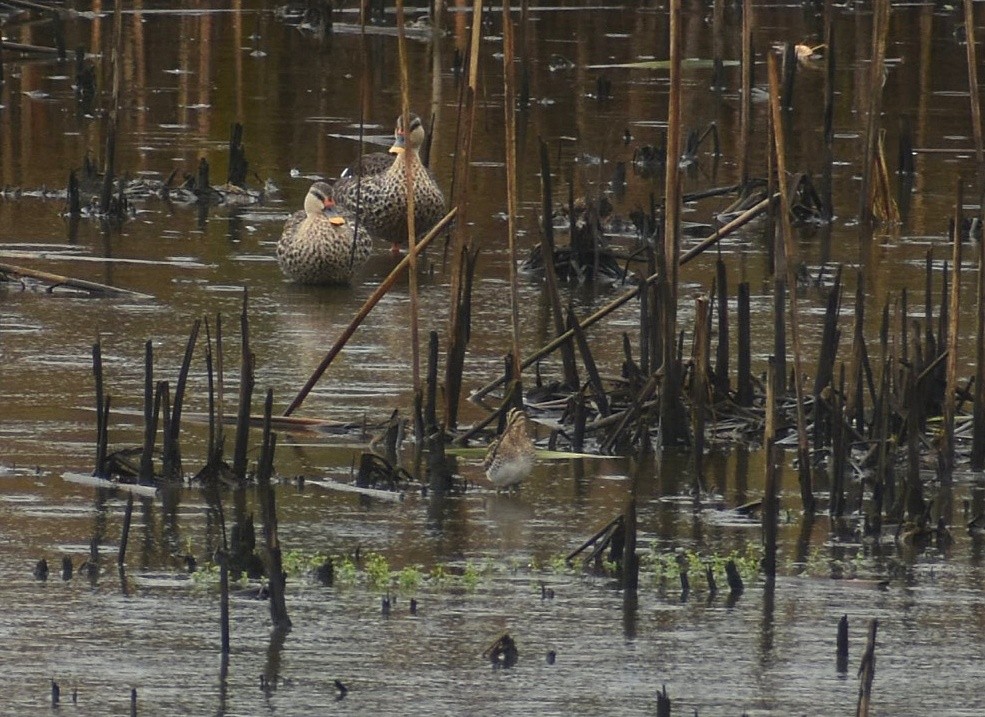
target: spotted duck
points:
(319, 244)
(375, 188)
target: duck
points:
(510, 457)
(375, 188)
(320, 244)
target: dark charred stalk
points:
(102, 409)
(735, 585)
(842, 649)
(459, 341)
(455, 355)
(630, 562)
(547, 251)
(744, 390)
(238, 166)
(699, 386)
(663, 703)
(74, 201)
(789, 75)
(150, 418)
(721, 376)
(431, 385)
(245, 396)
(826, 359)
(978, 409)
(580, 415)
(223, 560)
(172, 457)
(58, 28)
(276, 576)
(905, 163)
(594, 378)
(839, 447)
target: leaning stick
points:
(59, 280)
(366, 308)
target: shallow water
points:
(188, 75)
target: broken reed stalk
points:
(363, 312)
(652, 279)
(509, 119)
(457, 336)
(245, 395)
(745, 97)
(60, 280)
(272, 560)
(412, 274)
(673, 430)
(976, 107)
(946, 456)
(978, 408)
(880, 29)
(779, 133)
(867, 672)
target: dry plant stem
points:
(745, 108)
(880, 23)
(365, 309)
(976, 107)
(509, 118)
(409, 179)
(60, 280)
(455, 355)
(771, 503)
(671, 430)
(803, 447)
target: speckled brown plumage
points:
(510, 457)
(319, 245)
(376, 188)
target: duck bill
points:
(399, 143)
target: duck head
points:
(412, 136)
(319, 198)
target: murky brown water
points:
(188, 76)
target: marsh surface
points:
(188, 74)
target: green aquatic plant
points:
(409, 579)
(377, 569)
